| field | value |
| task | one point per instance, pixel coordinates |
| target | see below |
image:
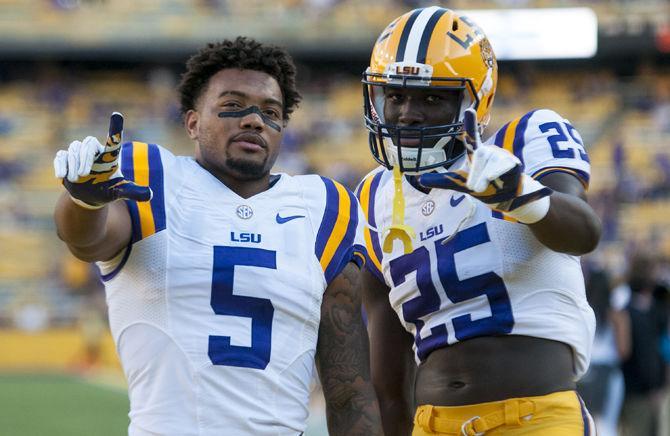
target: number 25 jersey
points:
(215, 305)
(475, 272)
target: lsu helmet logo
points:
(487, 52)
(420, 73)
(407, 69)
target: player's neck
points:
(245, 188)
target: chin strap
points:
(398, 229)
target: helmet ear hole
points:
(454, 26)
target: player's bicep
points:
(383, 322)
(390, 344)
(565, 183)
(571, 226)
(119, 230)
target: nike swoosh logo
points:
(282, 219)
(453, 201)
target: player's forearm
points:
(397, 416)
(351, 402)
(393, 373)
(77, 226)
(393, 378)
(92, 235)
(570, 226)
(355, 411)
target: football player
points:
(225, 283)
(473, 288)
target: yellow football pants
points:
(556, 414)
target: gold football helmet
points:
(433, 48)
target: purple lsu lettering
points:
(245, 237)
(431, 232)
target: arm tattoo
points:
(343, 360)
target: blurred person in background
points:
(644, 370)
(602, 387)
(225, 283)
(82, 279)
(479, 322)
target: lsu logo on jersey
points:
(431, 232)
(246, 237)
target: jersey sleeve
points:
(145, 165)
(366, 194)
(545, 143)
(339, 239)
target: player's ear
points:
(191, 121)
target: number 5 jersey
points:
(215, 305)
(475, 272)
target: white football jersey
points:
(475, 272)
(215, 305)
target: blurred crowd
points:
(182, 22)
(626, 386)
(624, 120)
(316, 6)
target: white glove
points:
(495, 177)
(90, 170)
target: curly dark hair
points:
(244, 53)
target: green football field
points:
(60, 405)
(64, 405)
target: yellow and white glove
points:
(495, 177)
(91, 173)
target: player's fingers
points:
(115, 134)
(497, 163)
(505, 162)
(60, 164)
(89, 149)
(478, 183)
(132, 191)
(73, 161)
(500, 162)
(471, 128)
(477, 178)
